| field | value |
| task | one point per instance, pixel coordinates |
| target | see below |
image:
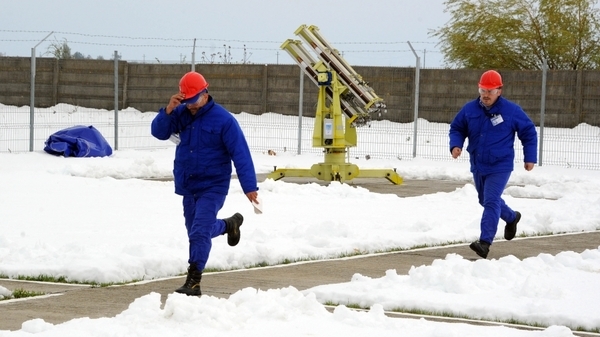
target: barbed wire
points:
(192, 39)
(207, 46)
(210, 47)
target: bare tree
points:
(246, 58)
(226, 56)
(60, 50)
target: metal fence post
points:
(417, 81)
(542, 111)
(300, 112)
(116, 100)
(32, 95)
(194, 56)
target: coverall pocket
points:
(494, 157)
(211, 135)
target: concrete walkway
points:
(66, 302)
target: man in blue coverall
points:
(490, 123)
(208, 139)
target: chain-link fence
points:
(409, 135)
(578, 147)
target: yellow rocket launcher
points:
(342, 91)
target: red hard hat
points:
(191, 85)
(491, 79)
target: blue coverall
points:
(210, 140)
(491, 139)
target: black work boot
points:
(192, 282)
(232, 228)
(482, 248)
(510, 230)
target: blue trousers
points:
(200, 213)
(489, 191)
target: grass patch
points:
(45, 278)
(525, 235)
(22, 293)
(65, 280)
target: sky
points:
(102, 202)
(369, 34)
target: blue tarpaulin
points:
(78, 141)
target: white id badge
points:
(175, 138)
(497, 120)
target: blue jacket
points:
(491, 148)
(210, 141)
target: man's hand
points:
(456, 152)
(252, 196)
(529, 166)
(174, 102)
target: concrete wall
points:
(573, 97)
